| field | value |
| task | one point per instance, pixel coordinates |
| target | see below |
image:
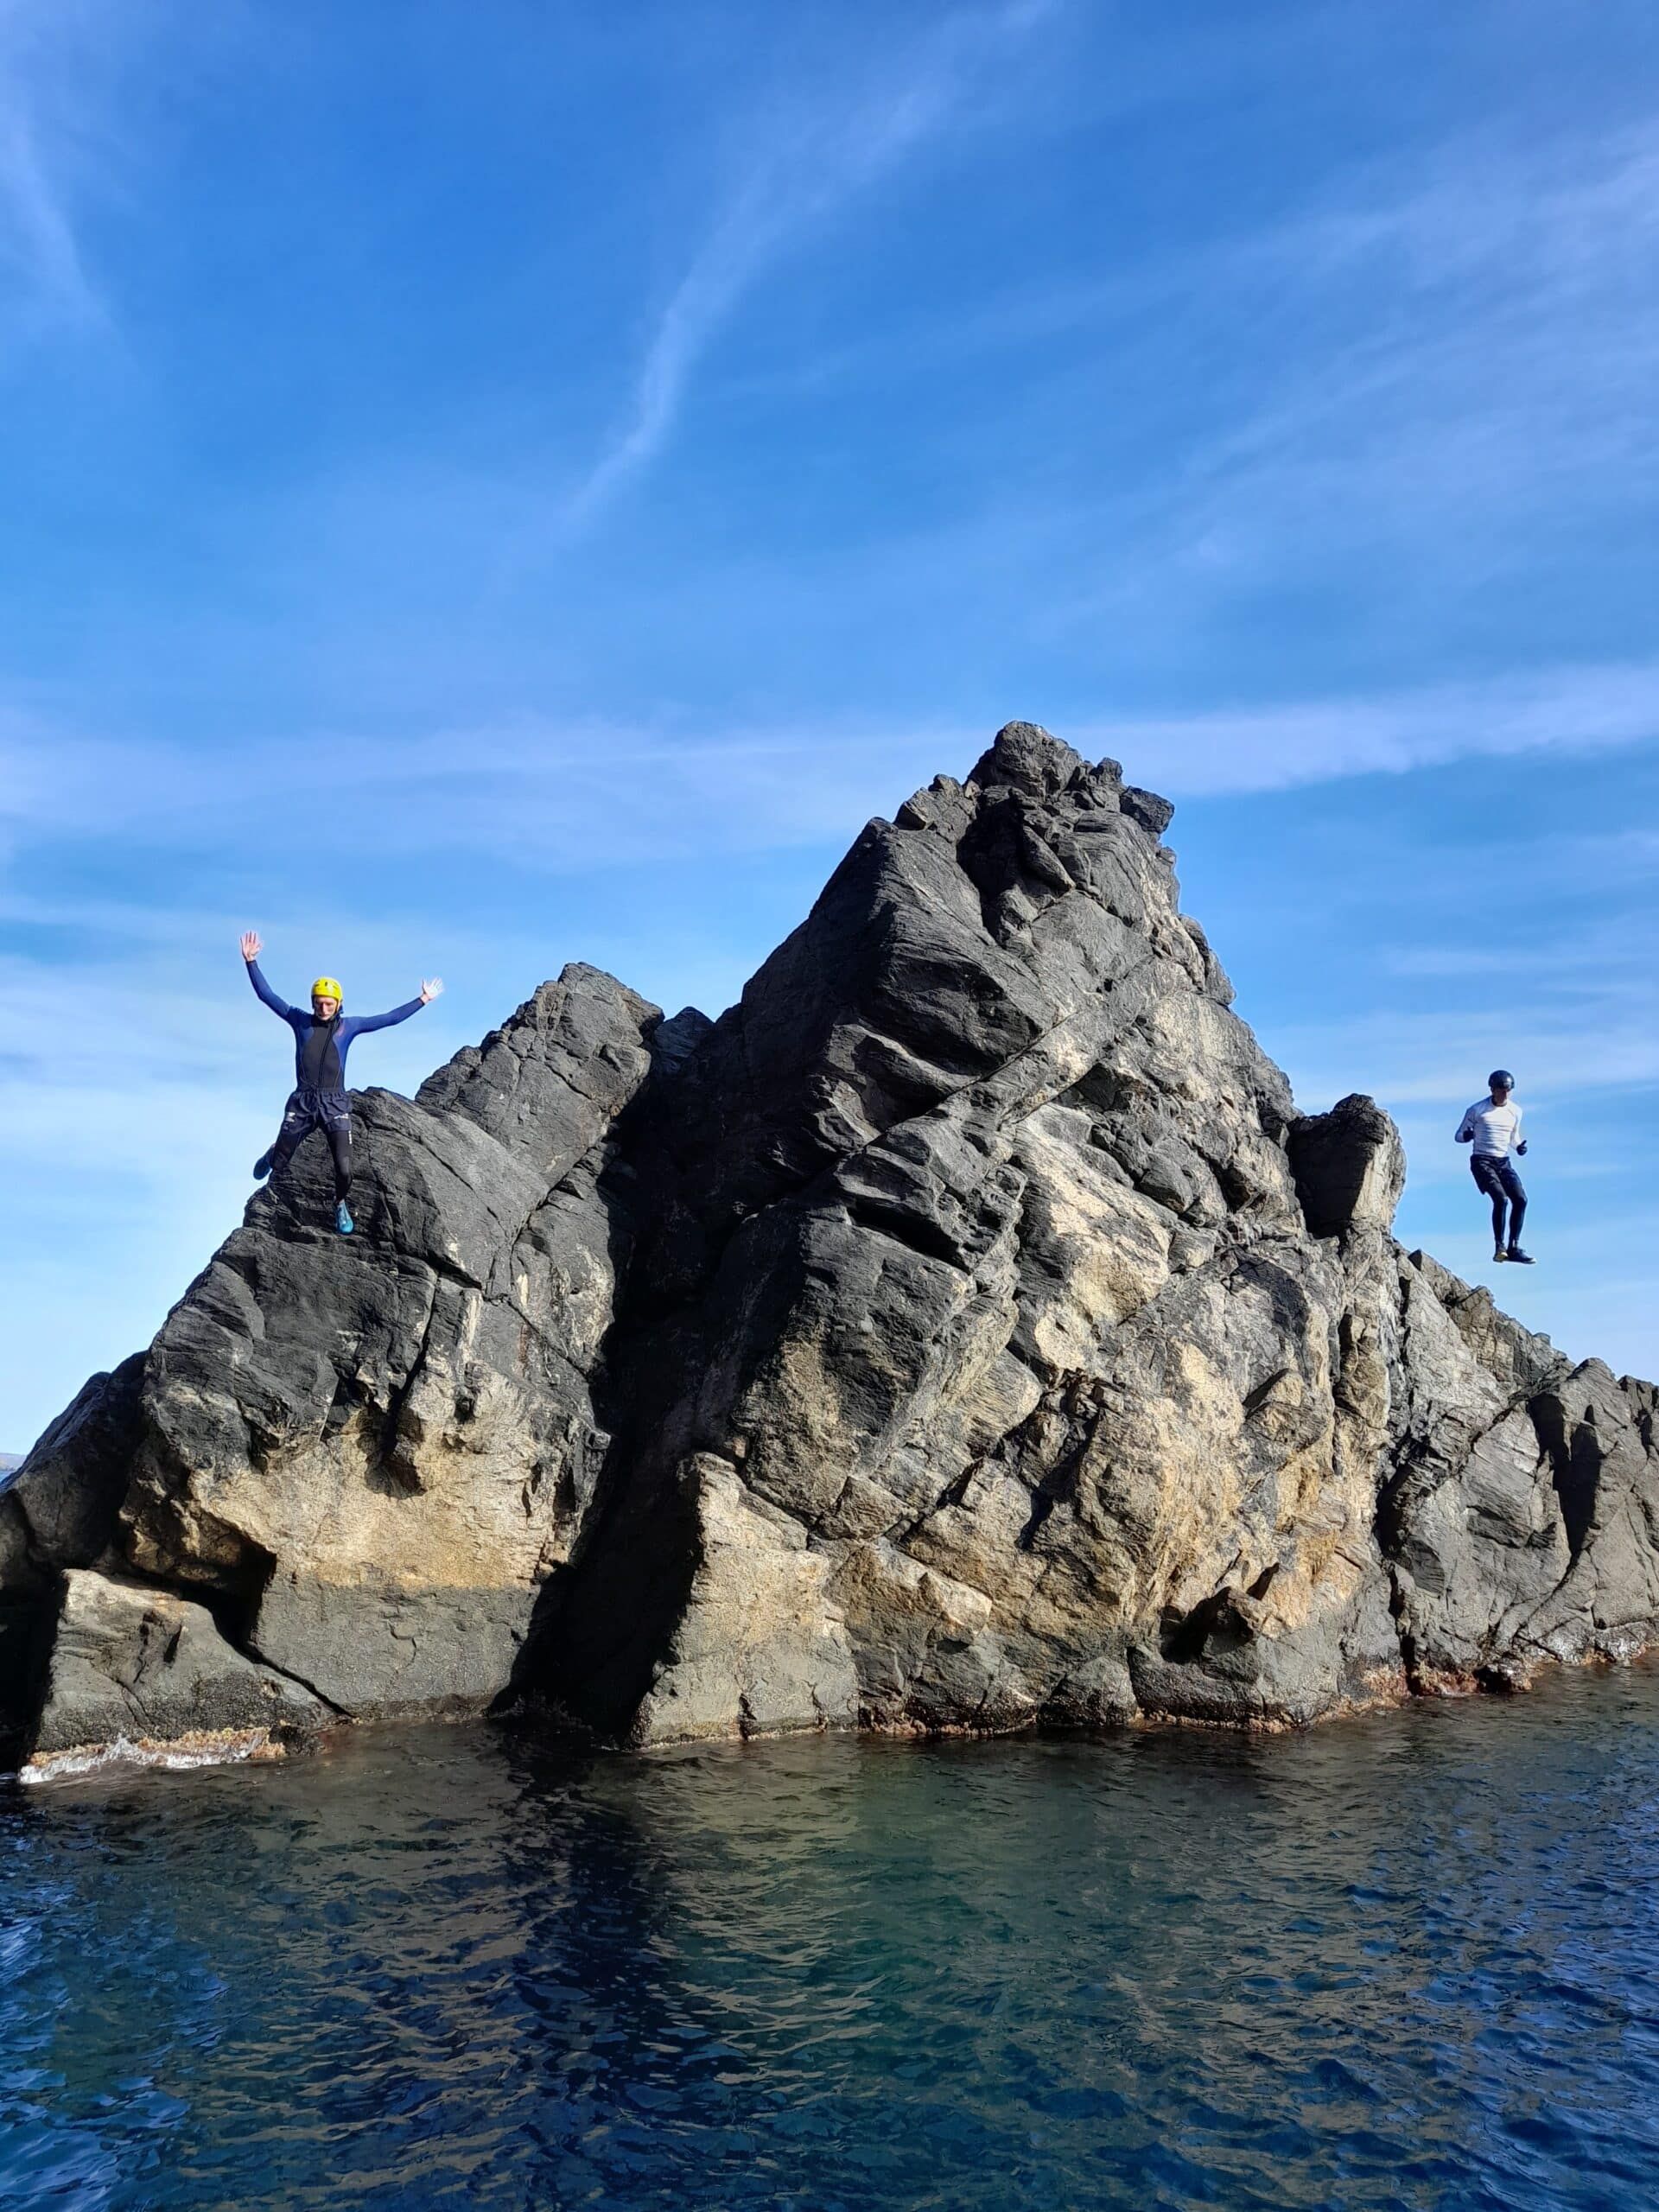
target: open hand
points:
(251, 947)
(430, 990)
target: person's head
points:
(325, 998)
(1502, 1083)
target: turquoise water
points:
(1410, 1960)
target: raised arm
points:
(358, 1023)
(251, 949)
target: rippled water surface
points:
(1410, 1960)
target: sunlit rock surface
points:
(964, 1332)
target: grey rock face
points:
(64, 1514)
(964, 1332)
(368, 1454)
(142, 1671)
(1350, 1167)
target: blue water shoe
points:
(262, 1167)
(343, 1221)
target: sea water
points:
(1406, 1961)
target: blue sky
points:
(487, 485)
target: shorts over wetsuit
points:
(1494, 1130)
(318, 1100)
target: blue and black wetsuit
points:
(318, 1100)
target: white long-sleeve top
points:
(1495, 1128)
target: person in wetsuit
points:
(321, 1040)
(1493, 1125)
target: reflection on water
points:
(1405, 1961)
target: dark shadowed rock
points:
(367, 1455)
(964, 1331)
(59, 1507)
(1350, 1167)
(141, 1672)
(1023, 757)
(1148, 808)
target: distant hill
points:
(8, 1460)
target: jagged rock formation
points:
(963, 1331)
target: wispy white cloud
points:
(811, 161)
(576, 794)
(1604, 958)
(1436, 1057)
(561, 795)
(44, 280)
(38, 249)
(1437, 368)
(1448, 353)
(1271, 748)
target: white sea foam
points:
(218, 1748)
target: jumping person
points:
(322, 1039)
(1493, 1125)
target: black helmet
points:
(1502, 1076)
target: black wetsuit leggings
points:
(1499, 1179)
(307, 1110)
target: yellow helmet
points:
(326, 988)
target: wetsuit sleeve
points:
(262, 989)
(1466, 1128)
(359, 1023)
